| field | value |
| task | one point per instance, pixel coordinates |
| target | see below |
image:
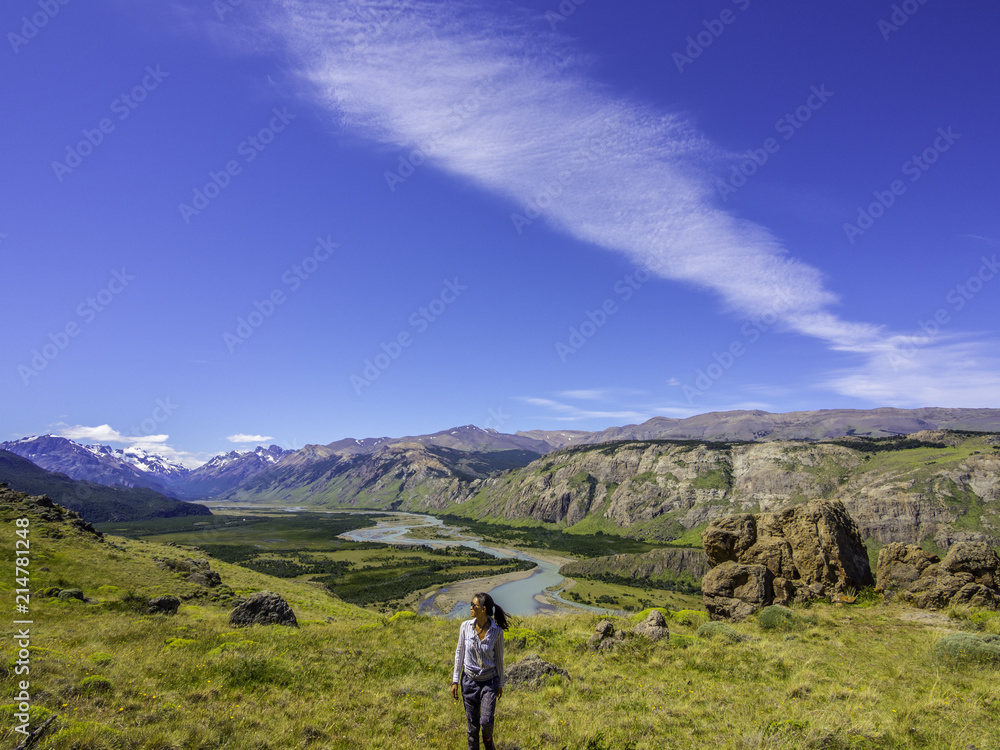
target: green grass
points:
(714, 479)
(850, 680)
(614, 595)
(690, 538)
(845, 677)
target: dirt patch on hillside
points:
(930, 619)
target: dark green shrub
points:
(967, 647)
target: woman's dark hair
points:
(493, 610)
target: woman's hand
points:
(454, 690)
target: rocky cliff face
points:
(946, 488)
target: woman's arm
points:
(498, 660)
(459, 661)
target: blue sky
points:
(237, 222)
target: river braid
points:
(493, 610)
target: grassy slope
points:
(846, 678)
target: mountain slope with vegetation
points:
(937, 486)
(95, 502)
(112, 677)
(407, 476)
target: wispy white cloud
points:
(599, 394)
(601, 168)
(244, 438)
(104, 434)
(560, 411)
(951, 373)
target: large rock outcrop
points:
(733, 591)
(805, 551)
(968, 575)
(263, 608)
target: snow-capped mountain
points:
(136, 467)
(143, 460)
(259, 454)
(98, 464)
(226, 471)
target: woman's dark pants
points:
(480, 703)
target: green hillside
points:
(832, 677)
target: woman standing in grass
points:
(479, 662)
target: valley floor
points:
(463, 591)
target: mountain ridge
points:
(95, 502)
(450, 467)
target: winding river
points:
(518, 597)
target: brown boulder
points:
(826, 546)
(209, 578)
(531, 671)
(728, 537)
(605, 636)
(968, 575)
(654, 627)
(784, 591)
(976, 595)
(163, 605)
(811, 550)
(973, 559)
(733, 591)
(263, 608)
(773, 553)
(900, 565)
